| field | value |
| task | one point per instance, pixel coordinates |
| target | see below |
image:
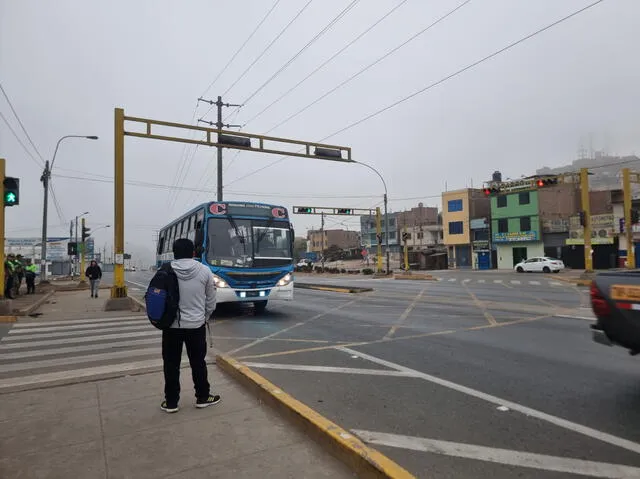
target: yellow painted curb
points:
(8, 319)
(365, 461)
(418, 277)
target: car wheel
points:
(519, 269)
(546, 270)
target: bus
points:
(248, 247)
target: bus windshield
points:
(241, 243)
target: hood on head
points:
(186, 268)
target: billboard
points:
(602, 230)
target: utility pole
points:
(386, 227)
(46, 174)
(322, 237)
(70, 256)
(628, 222)
(2, 271)
(219, 125)
(584, 191)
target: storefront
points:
(515, 247)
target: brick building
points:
(343, 239)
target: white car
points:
(542, 264)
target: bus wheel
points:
(260, 306)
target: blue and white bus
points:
(248, 246)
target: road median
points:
(362, 459)
(332, 288)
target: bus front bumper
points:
(277, 293)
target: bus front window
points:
(229, 243)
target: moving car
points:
(615, 300)
(542, 264)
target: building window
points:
(392, 222)
(503, 225)
(524, 198)
(392, 235)
(454, 205)
(455, 228)
(420, 235)
(502, 201)
(525, 223)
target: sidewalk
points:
(115, 429)
(111, 426)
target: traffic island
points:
(332, 288)
(413, 277)
(362, 459)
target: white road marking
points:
(500, 456)
(515, 281)
(330, 369)
(569, 316)
(556, 421)
(75, 321)
(481, 281)
(466, 280)
(66, 334)
(452, 280)
(555, 283)
(497, 281)
(104, 324)
(75, 349)
(537, 283)
(53, 342)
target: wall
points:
(454, 216)
(505, 252)
(513, 211)
(558, 202)
(479, 204)
(368, 230)
(418, 216)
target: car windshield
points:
(241, 243)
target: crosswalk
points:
(33, 353)
(504, 282)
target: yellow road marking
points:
(403, 317)
(487, 315)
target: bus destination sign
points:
(248, 209)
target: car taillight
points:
(598, 303)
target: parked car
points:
(615, 300)
(541, 264)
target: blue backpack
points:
(162, 298)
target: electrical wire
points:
(21, 124)
(56, 203)
(371, 65)
(237, 52)
(29, 154)
(326, 62)
(318, 35)
(432, 85)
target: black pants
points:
(8, 290)
(196, 343)
(31, 283)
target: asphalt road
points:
(471, 376)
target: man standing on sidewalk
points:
(30, 275)
(197, 304)
(94, 274)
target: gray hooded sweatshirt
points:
(197, 293)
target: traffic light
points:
(542, 182)
(304, 209)
(11, 191)
(635, 217)
(405, 236)
(72, 249)
(582, 218)
(85, 231)
(344, 211)
(492, 190)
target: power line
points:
(267, 48)
(318, 35)
(20, 141)
(56, 203)
(20, 122)
(430, 86)
(326, 62)
(357, 74)
(233, 57)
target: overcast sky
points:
(67, 64)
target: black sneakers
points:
(168, 409)
(211, 400)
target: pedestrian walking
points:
(30, 275)
(18, 274)
(94, 274)
(9, 277)
(196, 304)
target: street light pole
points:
(386, 215)
(45, 177)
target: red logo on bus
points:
(279, 212)
(218, 209)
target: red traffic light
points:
(540, 183)
(487, 191)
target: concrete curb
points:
(33, 307)
(575, 281)
(8, 319)
(417, 277)
(364, 461)
(332, 288)
(140, 304)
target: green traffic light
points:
(10, 197)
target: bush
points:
(318, 269)
(343, 271)
(367, 271)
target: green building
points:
(515, 227)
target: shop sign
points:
(481, 244)
(556, 225)
(602, 230)
(515, 236)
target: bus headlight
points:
(285, 280)
(219, 282)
